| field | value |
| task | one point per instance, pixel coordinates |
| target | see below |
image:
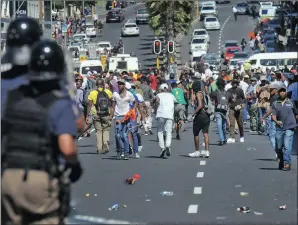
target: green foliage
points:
(159, 11)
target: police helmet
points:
(47, 61)
(22, 34)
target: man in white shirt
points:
(122, 102)
(235, 11)
(244, 86)
(165, 102)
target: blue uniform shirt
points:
(9, 85)
(285, 112)
(294, 89)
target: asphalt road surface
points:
(205, 190)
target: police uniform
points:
(35, 187)
(22, 33)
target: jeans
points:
(284, 143)
(121, 136)
(166, 125)
(148, 124)
(133, 129)
(221, 121)
(261, 112)
(272, 133)
(245, 111)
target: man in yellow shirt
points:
(101, 122)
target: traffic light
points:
(157, 47)
(171, 46)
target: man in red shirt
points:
(152, 78)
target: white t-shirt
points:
(166, 105)
(228, 86)
(244, 86)
(140, 97)
(122, 104)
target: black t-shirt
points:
(239, 97)
(273, 99)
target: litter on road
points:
(238, 185)
(167, 193)
(243, 209)
(282, 207)
(87, 195)
(258, 213)
(244, 193)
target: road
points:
(206, 190)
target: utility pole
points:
(197, 8)
(64, 12)
(83, 7)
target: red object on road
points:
(230, 52)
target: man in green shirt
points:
(179, 110)
(212, 85)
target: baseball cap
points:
(163, 86)
(122, 81)
(246, 76)
(276, 85)
(198, 75)
(127, 85)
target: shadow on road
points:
(154, 157)
(149, 59)
(146, 44)
(89, 153)
(144, 48)
(146, 53)
(268, 168)
(85, 146)
(266, 160)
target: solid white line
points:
(197, 190)
(202, 163)
(192, 209)
(200, 174)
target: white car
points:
(201, 33)
(196, 55)
(101, 46)
(211, 23)
(91, 31)
(207, 11)
(199, 44)
(130, 29)
(84, 36)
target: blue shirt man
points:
(293, 88)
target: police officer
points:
(22, 34)
(39, 155)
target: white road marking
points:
(202, 163)
(200, 174)
(197, 190)
(193, 209)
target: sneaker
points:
(118, 156)
(150, 132)
(276, 157)
(146, 133)
(122, 155)
(168, 151)
(162, 153)
(207, 154)
(231, 140)
(137, 156)
(242, 139)
(126, 156)
(140, 148)
(195, 154)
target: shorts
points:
(179, 112)
(201, 123)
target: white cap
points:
(94, 72)
(127, 85)
(163, 86)
(89, 73)
(198, 75)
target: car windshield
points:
(75, 44)
(240, 55)
(199, 32)
(241, 5)
(89, 26)
(73, 49)
(78, 36)
(209, 57)
(142, 11)
(198, 41)
(211, 19)
(208, 8)
(273, 22)
(230, 44)
(270, 44)
(195, 59)
(85, 69)
(233, 50)
(269, 32)
(212, 62)
(130, 25)
(233, 63)
(103, 45)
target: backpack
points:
(102, 103)
(222, 101)
(208, 107)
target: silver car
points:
(142, 16)
(212, 59)
(242, 8)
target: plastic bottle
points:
(115, 207)
(167, 193)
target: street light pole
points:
(64, 12)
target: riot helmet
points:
(47, 62)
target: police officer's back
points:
(22, 34)
(38, 128)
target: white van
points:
(207, 3)
(277, 60)
(123, 62)
(196, 56)
(267, 13)
(90, 65)
(266, 4)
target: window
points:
(270, 44)
(232, 51)
(264, 12)
(211, 19)
(291, 62)
(195, 59)
(142, 11)
(89, 26)
(208, 8)
(240, 55)
(253, 62)
(231, 44)
(198, 41)
(268, 62)
(103, 45)
(233, 63)
(122, 65)
(130, 25)
(199, 32)
(85, 70)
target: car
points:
(199, 44)
(81, 36)
(207, 11)
(123, 4)
(270, 46)
(272, 24)
(240, 56)
(201, 33)
(234, 64)
(130, 28)
(211, 23)
(229, 43)
(142, 16)
(268, 31)
(91, 30)
(102, 45)
(212, 59)
(76, 50)
(269, 38)
(229, 53)
(219, 2)
(196, 55)
(115, 15)
(253, 2)
(242, 8)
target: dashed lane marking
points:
(220, 33)
(193, 209)
(200, 174)
(202, 163)
(197, 190)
